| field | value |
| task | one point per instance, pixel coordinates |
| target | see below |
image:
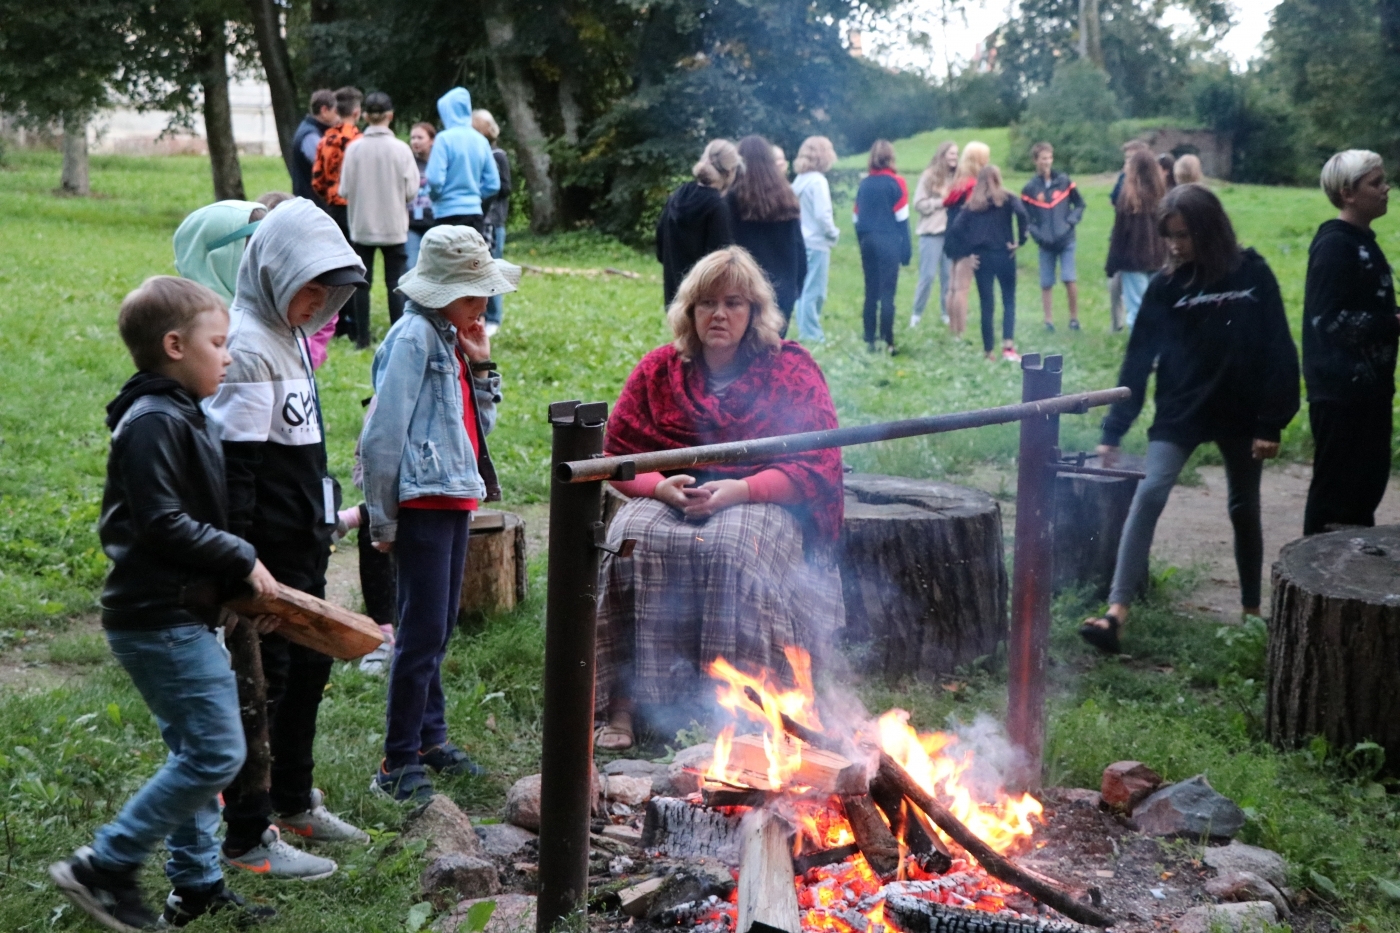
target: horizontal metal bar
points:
(600, 468)
(1069, 466)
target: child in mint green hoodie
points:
(209, 244)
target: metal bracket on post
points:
(1033, 568)
(600, 541)
(575, 510)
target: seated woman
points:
(732, 561)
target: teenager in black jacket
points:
(983, 229)
(1350, 331)
(882, 230)
(767, 222)
(1227, 371)
(695, 221)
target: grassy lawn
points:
(1188, 702)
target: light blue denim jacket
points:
(414, 443)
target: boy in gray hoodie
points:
(297, 272)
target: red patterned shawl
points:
(665, 405)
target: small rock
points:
(619, 809)
(680, 780)
(1080, 797)
(1237, 856)
(637, 899)
(1190, 808)
(633, 767)
(503, 840)
(1128, 783)
(632, 791)
(452, 877)
(620, 866)
(1247, 886)
(523, 803)
(514, 913)
(445, 828)
(1232, 918)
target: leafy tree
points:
(1074, 114)
(1266, 132)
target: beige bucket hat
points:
(455, 262)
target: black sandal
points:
(1103, 637)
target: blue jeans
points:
(997, 265)
(932, 263)
(411, 245)
(431, 555)
(495, 305)
(185, 679)
(1134, 287)
(809, 304)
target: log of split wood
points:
(923, 573)
(1334, 641)
(804, 863)
(1089, 516)
(825, 772)
(915, 914)
(877, 843)
(767, 892)
(680, 829)
(495, 579)
(315, 623)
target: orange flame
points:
(736, 692)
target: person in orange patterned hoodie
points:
(325, 178)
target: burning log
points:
(805, 863)
(924, 846)
(876, 842)
(721, 795)
(767, 894)
(919, 915)
(1002, 869)
(683, 830)
(825, 772)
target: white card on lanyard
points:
(328, 498)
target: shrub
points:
(1074, 113)
(1265, 132)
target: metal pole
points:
(1033, 570)
(575, 509)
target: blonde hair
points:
(935, 176)
(1344, 171)
(161, 304)
(975, 157)
(485, 124)
(1187, 170)
(989, 190)
(816, 154)
(729, 268)
(718, 165)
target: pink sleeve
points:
(316, 344)
(772, 486)
(640, 488)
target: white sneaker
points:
(946, 320)
(320, 825)
(377, 660)
(275, 859)
(492, 329)
(914, 319)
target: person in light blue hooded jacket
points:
(461, 171)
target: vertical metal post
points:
(570, 629)
(1033, 571)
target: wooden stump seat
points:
(495, 579)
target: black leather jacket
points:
(164, 511)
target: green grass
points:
(1189, 702)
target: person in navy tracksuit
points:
(882, 230)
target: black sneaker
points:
(187, 904)
(448, 758)
(409, 784)
(1049, 327)
(112, 898)
(1074, 323)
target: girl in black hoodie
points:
(696, 220)
(983, 229)
(1213, 324)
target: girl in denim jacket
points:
(426, 468)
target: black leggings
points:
(997, 265)
(879, 257)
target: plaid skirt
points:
(736, 586)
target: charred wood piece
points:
(734, 796)
(924, 846)
(805, 863)
(915, 914)
(876, 842)
(680, 829)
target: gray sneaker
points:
(376, 662)
(320, 825)
(275, 859)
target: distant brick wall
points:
(1215, 151)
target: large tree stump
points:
(495, 578)
(1089, 516)
(1334, 641)
(923, 572)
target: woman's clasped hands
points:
(700, 502)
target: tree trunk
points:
(923, 573)
(1089, 45)
(530, 141)
(75, 156)
(1089, 516)
(495, 578)
(218, 116)
(1334, 642)
(277, 67)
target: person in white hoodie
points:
(297, 271)
(819, 232)
(378, 180)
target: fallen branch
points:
(998, 867)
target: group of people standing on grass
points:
(218, 488)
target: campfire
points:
(882, 828)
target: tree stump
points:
(923, 573)
(1334, 641)
(495, 580)
(1089, 516)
